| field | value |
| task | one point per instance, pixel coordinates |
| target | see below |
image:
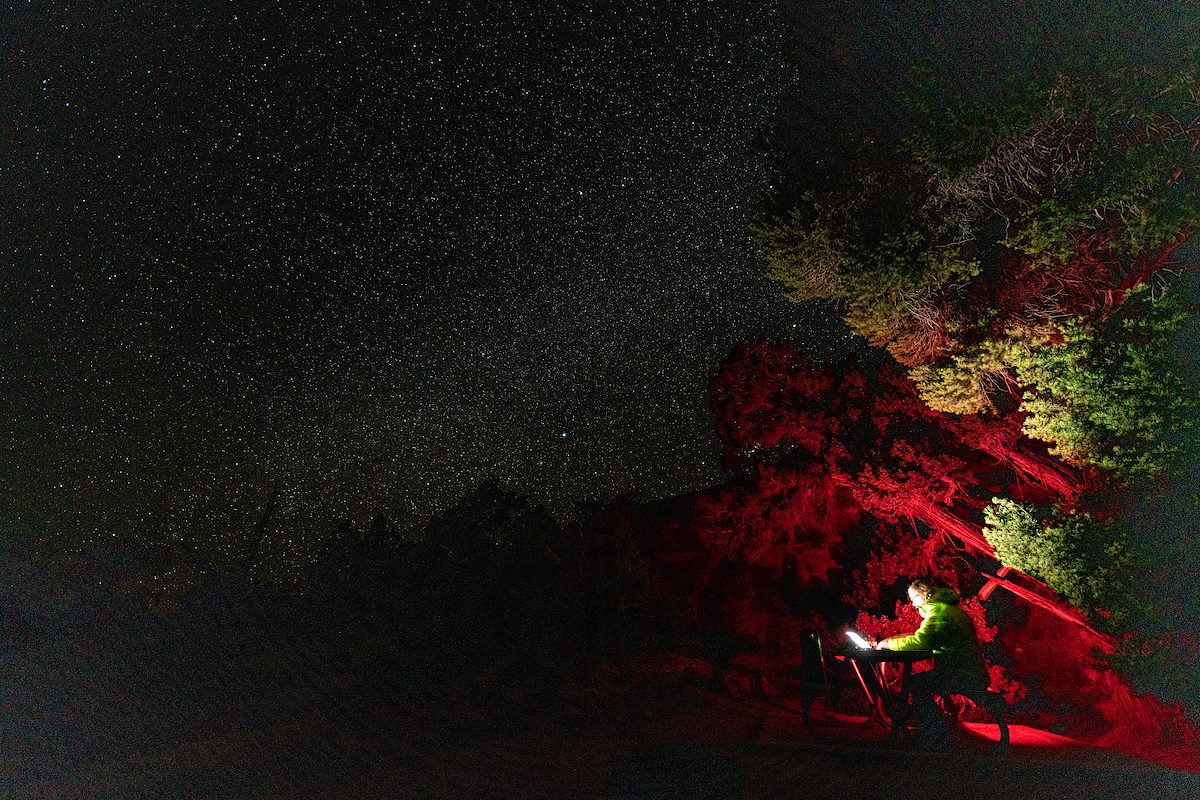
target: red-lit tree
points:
(868, 443)
(1011, 259)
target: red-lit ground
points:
(1019, 736)
(657, 742)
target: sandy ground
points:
(689, 745)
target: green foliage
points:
(1110, 395)
(1103, 149)
(962, 133)
(805, 252)
(1103, 157)
(863, 247)
(965, 382)
(1046, 230)
(1118, 184)
(891, 279)
(1084, 560)
(1105, 394)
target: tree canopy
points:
(1019, 258)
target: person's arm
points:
(921, 640)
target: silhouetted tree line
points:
(498, 594)
(497, 591)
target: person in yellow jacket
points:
(957, 657)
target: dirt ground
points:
(678, 744)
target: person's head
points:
(918, 593)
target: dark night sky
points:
(376, 255)
(373, 256)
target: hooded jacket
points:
(950, 634)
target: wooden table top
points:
(899, 656)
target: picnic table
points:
(869, 665)
(889, 705)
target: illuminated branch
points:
(1032, 595)
(971, 536)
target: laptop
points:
(858, 640)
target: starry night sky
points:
(374, 256)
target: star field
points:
(373, 257)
